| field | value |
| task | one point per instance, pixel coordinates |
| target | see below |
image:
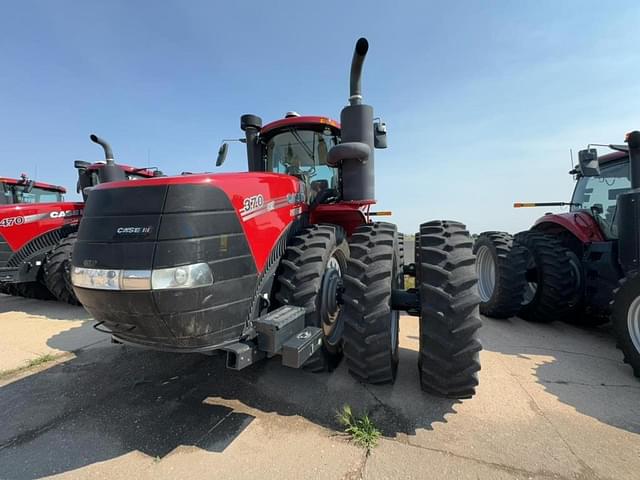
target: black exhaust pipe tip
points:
(355, 80)
(362, 46)
(108, 154)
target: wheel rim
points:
(486, 271)
(633, 322)
(531, 288)
(576, 273)
(331, 302)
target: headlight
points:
(96, 278)
(186, 276)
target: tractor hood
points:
(139, 239)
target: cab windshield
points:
(17, 194)
(599, 194)
(303, 153)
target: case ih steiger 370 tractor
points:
(281, 260)
(580, 266)
(37, 229)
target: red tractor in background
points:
(580, 266)
(37, 229)
(281, 260)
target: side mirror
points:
(589, 165)
(380, 134)
(222, 154)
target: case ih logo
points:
(66, 214)
(143, 231)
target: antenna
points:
(571, 157)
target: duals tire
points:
(449, 359)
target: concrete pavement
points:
(555, 401)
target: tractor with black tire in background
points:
(281, 260)
(580, 266)
(38, 228)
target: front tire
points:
(626, 321)
(371, 326)
(501, 269)
(449, 359)
(57, 270)
(311, 276)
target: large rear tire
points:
(626, 321)
(310, 276)
(371, 326)
(501, 269)
(552, 288)
(57, 270)
(449, 320)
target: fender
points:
(22, 222)
(580, 224)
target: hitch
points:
(406, 300)
(280, 332)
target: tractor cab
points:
(597, 190)
(24, 190)
(299, 146)
(103, 171)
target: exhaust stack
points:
(355, 80)
(355, 152)
(110, 172)
(108, 153)
(628, 211)
(633, 140)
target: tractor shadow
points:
(580, 366)
(112, 400)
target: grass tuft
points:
(34, 362)
(360, 427)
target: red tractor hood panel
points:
(21, 223)
(266, 203)
(581, 224)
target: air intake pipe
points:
(354, 155)
(628, 211)
(110, 172)
(251, 126)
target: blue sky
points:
(483, 100)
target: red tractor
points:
(37, 229)
(580, 266)
(281, 260)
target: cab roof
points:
(44, 186)
(612, 157)
(298, 121)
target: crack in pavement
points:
(498, 466)
(506, 468)
(358, 472)
(569, 382)
(569, 352)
